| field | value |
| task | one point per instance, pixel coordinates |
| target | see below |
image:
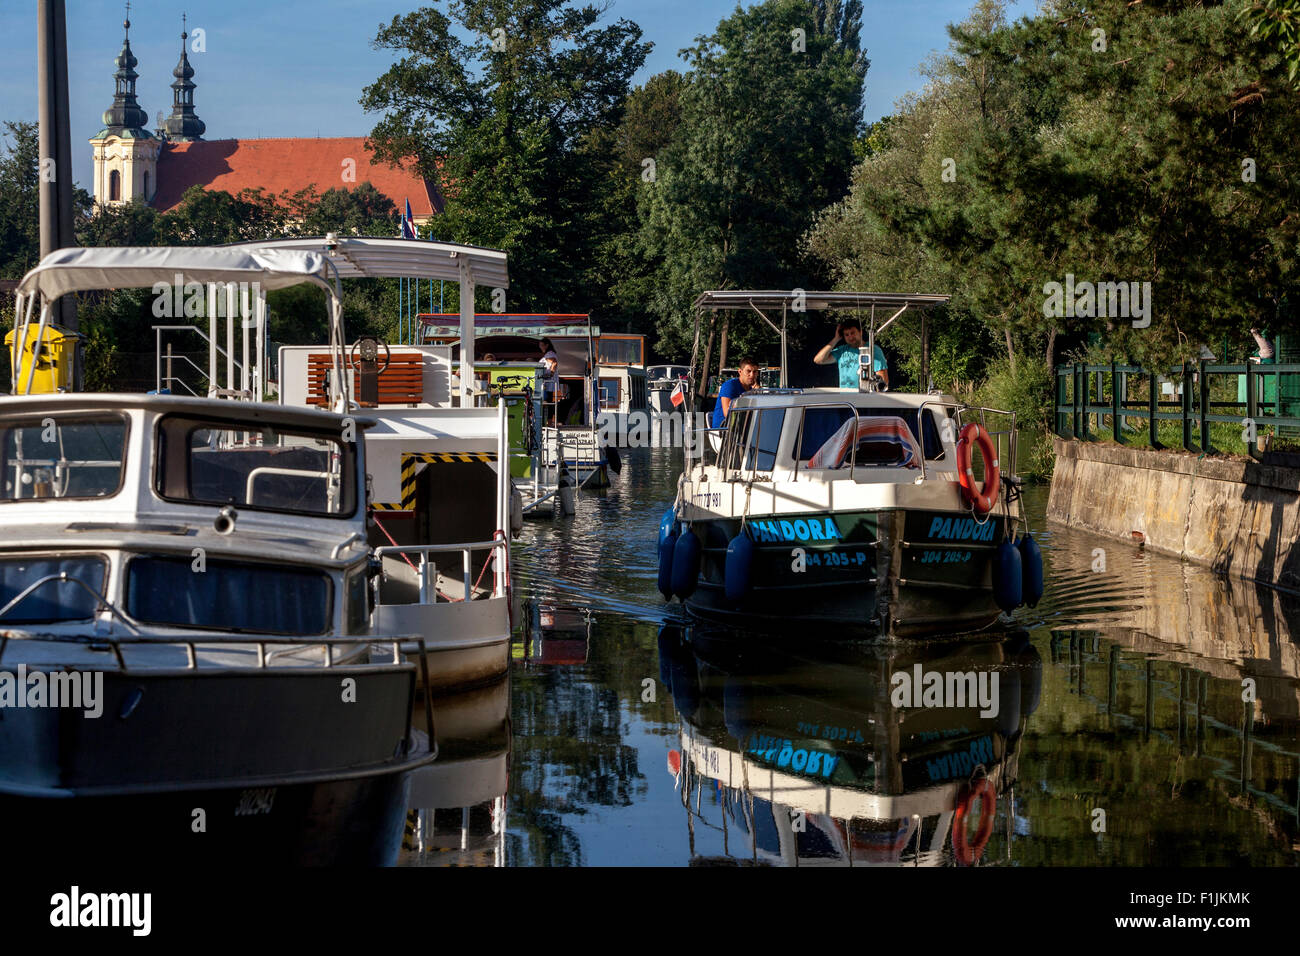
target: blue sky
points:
(297, 67)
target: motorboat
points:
(443, 505)
(834, 756)
(864, 511)
(189, 663)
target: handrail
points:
(427, 586)
(1081, 395)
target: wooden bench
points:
(402, 383)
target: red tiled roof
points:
(278, 165)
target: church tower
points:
(184, 125)
(125, 153)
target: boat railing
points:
(1005, 442)
(427, 570)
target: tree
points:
(769, 117)
(499, 119)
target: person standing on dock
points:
(843, 351)
(733, 388)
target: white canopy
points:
(358, 257)
(136, 267)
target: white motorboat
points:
(857, 510)
(188, 581)
(443, 506)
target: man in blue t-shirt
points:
(733, 388)
(843, 351)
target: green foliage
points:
(1024, 388)
(500, 119)
(769, 118)
(1277, 24)
(20, 237)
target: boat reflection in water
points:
(553, 635)
(798, 760)
(457, 813)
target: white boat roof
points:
(784, 398)
(370, 257)
(744, 299)
(282, 415)
(79, 269)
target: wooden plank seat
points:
(402, 383)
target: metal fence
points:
(1194, 394)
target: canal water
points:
(1147, 712)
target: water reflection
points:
(457, 813)
(633, 749)
(808, 759)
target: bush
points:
(1024, 388)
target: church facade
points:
(131, 162)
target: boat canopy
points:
(536, 325)
(370, 257)
(136, 267)
(763, 301)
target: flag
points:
(678, 395)
(408, 223)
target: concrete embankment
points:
(1239, 518)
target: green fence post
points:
(1188, 444)
(1116, 419)
(1204, 396)
(1078, 405)
(1059, 417)
(1153, 410)
(1252, 412)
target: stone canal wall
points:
(1240, 518)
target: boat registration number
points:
(944, 557)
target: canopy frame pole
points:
(230, 336)
(785, 365)
(212, 339)
(245, 313)
(40, 339)
(466, 332)
(259, 319)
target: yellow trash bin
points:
(54, 359)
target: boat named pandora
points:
(858, 508)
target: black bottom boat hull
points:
(888, 573)
(355, 822)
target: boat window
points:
(252, 465)
(609, 396)
(53, 600)
(819, 424)
(228, 595)
(61, 457)
(761, 445)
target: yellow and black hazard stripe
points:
(412, 461)
(388, 506)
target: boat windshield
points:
(821, 424)
(257, 466)
(63, 456)
(54, 600)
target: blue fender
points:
(686, 564)
(740, 560)
(1031, 559)
(667, 547)
(1008, 577)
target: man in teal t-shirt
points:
(843, 351)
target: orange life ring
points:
(983, 499)
(968, 853)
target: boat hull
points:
(277, 764)
(889, 572)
